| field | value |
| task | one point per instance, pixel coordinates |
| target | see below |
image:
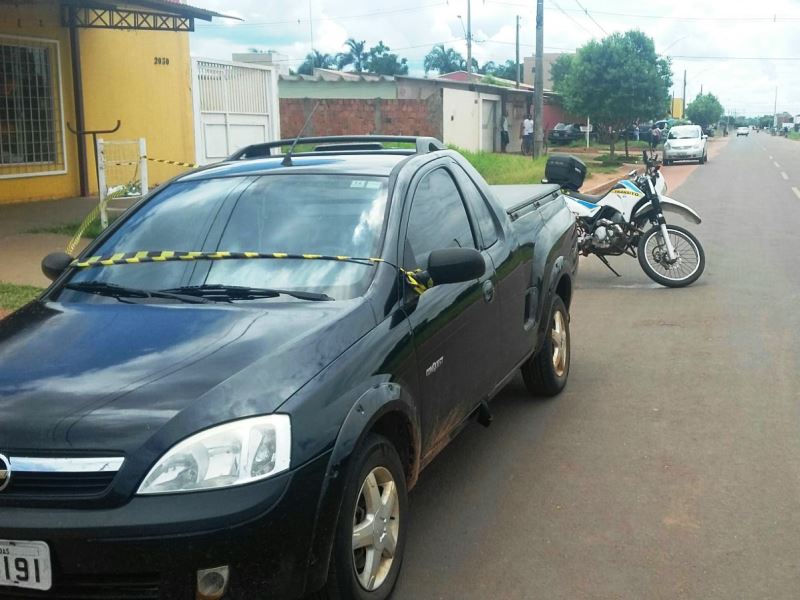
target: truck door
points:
(455, 326)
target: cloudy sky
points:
(740, 51)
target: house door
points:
(489, 125)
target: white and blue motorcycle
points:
(616, 223)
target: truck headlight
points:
(231, 454)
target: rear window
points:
(337, 215)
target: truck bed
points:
(518, 199)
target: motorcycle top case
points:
(565, 170)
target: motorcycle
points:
(616, 223)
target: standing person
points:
(527, 135)
(636, 132)
(504, 132)
(655, 137)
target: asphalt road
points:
(670, 466)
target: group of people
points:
(525, 133)
(656, 135)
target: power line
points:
(591, 17)
(558, 6)
(772, 19)
(336, 18)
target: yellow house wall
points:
(41, 22)
(122, 79)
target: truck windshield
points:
(337, 215)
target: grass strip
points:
(13, 296)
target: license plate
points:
(25, 564)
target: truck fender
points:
(671, 206)
(557, 272)
(373, 404)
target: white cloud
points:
(413, 26)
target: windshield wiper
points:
(237, 292)
(101, 288)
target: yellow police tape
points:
(418, 280)
(172, 162)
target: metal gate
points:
(235, 104)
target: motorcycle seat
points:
(586, 197)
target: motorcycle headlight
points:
(231, 454)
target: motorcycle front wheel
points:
(654, 260)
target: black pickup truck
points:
(229, 393)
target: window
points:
(31, 132)
(480, 210)
(438, 218)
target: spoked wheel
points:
(655, 262)
(376, 526)
(371, 530)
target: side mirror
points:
(55, 263)
(705, 137)
(454, 265)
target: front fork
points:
(662, 222)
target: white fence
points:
(235, 104)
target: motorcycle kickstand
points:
(606, 263)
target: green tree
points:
(355, 55)
(704, 110)
(444, 60)
(615, 81)
(316, 60)
(506, 70)
(560, 68)
(384, 62)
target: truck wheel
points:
(371, 531)
(546, 372)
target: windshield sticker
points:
(373, 185)
(358, 183)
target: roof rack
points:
(344, 144)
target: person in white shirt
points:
(527, 135)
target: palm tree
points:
(443, 60)
(356, 55)
(316, 60)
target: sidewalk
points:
(22, 252)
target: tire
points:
(702, 160)
(693, 258)
(348, 579)
(546, 372)
(667, 162)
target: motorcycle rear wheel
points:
(653, 259)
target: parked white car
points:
(686, 142)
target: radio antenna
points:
(287, 160)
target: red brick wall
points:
(361, 117)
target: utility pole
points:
(683, 102)
(775, 110)
(469, 37)
(538, 83)
(517, 51)
(310, 26)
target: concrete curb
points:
(603, 187)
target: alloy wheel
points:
(559, 341)
(376, 526)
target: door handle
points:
(488, 290)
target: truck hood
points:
(106, 377)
